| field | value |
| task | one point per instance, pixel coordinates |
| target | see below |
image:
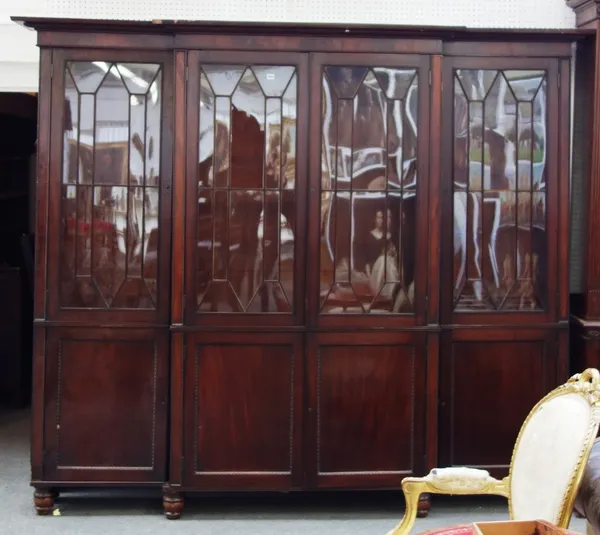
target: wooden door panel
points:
(367, 407)
(243, 410)
(106, 395)
(489, 381)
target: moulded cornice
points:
(586, 11)
(181, 27)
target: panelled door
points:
(504, 249)
(245, 269)
(109, 228)
(368, 247)
(305, 218)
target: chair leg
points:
(412, 491)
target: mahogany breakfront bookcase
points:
(278, 258)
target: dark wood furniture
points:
(585, 309)
(17, 145)
(292, 258)
(15, 338)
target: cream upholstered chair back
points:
(552, 449)
(548, 462)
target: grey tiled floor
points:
(139, 512)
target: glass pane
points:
(368, 198)
(468, 245)
(108, 255)
(345, 118)
(248, 138)
(499, 254)
(368, 141)
(137, 141)
(111, 131)
(71, 131)
(149, 245)
(223, 79)
(287, 249)
(222, 133)
(406, 161)
(213, 252)
(476, 84)
(88, 75)
(208, 130)
(395, 82)
(273, 80)
(246, 194)
(109, 240)
(478, 152)
(329, 133)
(271, 295)
(76, 211)
(86, 138)
(246, 263)
(138, 77)
(76, 286)
(524, 84)
(345, 81)
(288, 138)
(273, 147)
(539, 252)
(153, 133)
(500, 239)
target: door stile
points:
(177, 341)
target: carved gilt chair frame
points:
(470, 481)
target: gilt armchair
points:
(547, 464)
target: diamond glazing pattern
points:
(472, 13)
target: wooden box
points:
(509, 527)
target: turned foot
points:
(43, 500)
(172, 502)
(424, 506)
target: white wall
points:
(18, 54)
(507, 13)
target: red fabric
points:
(84, 226)
(461, 529)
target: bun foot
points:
(424, 506)
(172, 502)
(43, 499)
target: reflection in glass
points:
(345, 81)
(247, 142)
(110, 200)
(223, 79)
(368, 190)
(246, 189)
(499, 176)
(110, 156)
(273, 80)
(286, 138)
(395, 83)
